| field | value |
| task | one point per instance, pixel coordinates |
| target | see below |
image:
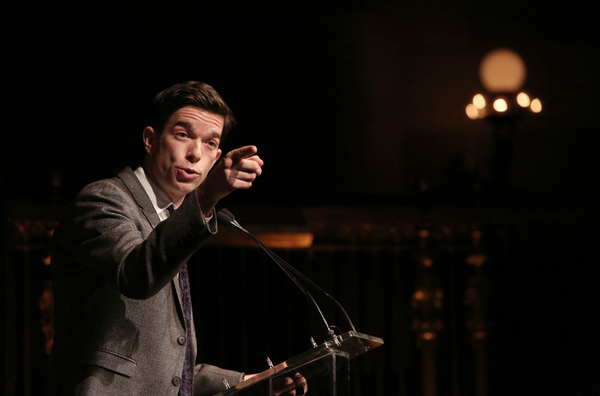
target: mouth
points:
(189, 171)
(187, 174)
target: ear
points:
(149, 139)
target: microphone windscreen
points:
(225, 217)
(228, 214)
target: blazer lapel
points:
(139, 194)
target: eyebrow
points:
(185, 124)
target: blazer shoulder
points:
(106, 188)
(122, 191)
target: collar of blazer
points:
(139, 194)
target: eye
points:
(181, 135)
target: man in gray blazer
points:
(123, 321)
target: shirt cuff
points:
(211, 222)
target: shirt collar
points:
(159, 199)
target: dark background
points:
(343, 99)
(352, 104)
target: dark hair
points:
(191, 93)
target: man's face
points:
(179, 160)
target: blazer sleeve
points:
(208, 380)
(108, 231)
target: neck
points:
(150, 175)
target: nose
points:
(194, 153)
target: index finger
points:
(243, 152)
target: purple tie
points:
(186, 386)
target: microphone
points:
(227, 218)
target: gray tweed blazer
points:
(119, 327)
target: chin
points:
(187, 189)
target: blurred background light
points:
(500, 105)
(479, 101)
(502, 70)
(536, 106)
(523, 99)
(502, 73)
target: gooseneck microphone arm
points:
(227, 218)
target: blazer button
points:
(181, 340)
(176, 381)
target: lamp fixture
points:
(502, 73)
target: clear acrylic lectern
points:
(326, 368)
